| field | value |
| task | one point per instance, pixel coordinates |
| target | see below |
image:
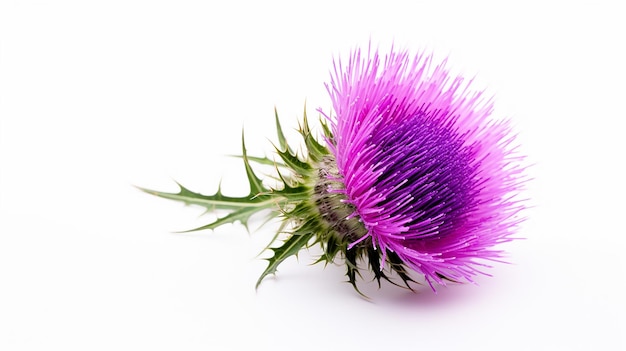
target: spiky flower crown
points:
(411, 175)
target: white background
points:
(98, 96)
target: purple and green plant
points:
(411, 175)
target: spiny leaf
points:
(282, 141)
(290, 186)
(315, 149)
(326, 129)
(289, 248)
(352, 269)
(397, 265)
(373, 256)
(294, 193)
(211, 202)
(293, 162)
(331, 248)
(261, 160)
(242, 215)
(256, 186)
(281, 230)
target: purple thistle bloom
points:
(430, 176)
(415, 175)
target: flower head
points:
(428, 173)
(412, 176)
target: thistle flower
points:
(412, 176)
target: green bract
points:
(310, 213)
